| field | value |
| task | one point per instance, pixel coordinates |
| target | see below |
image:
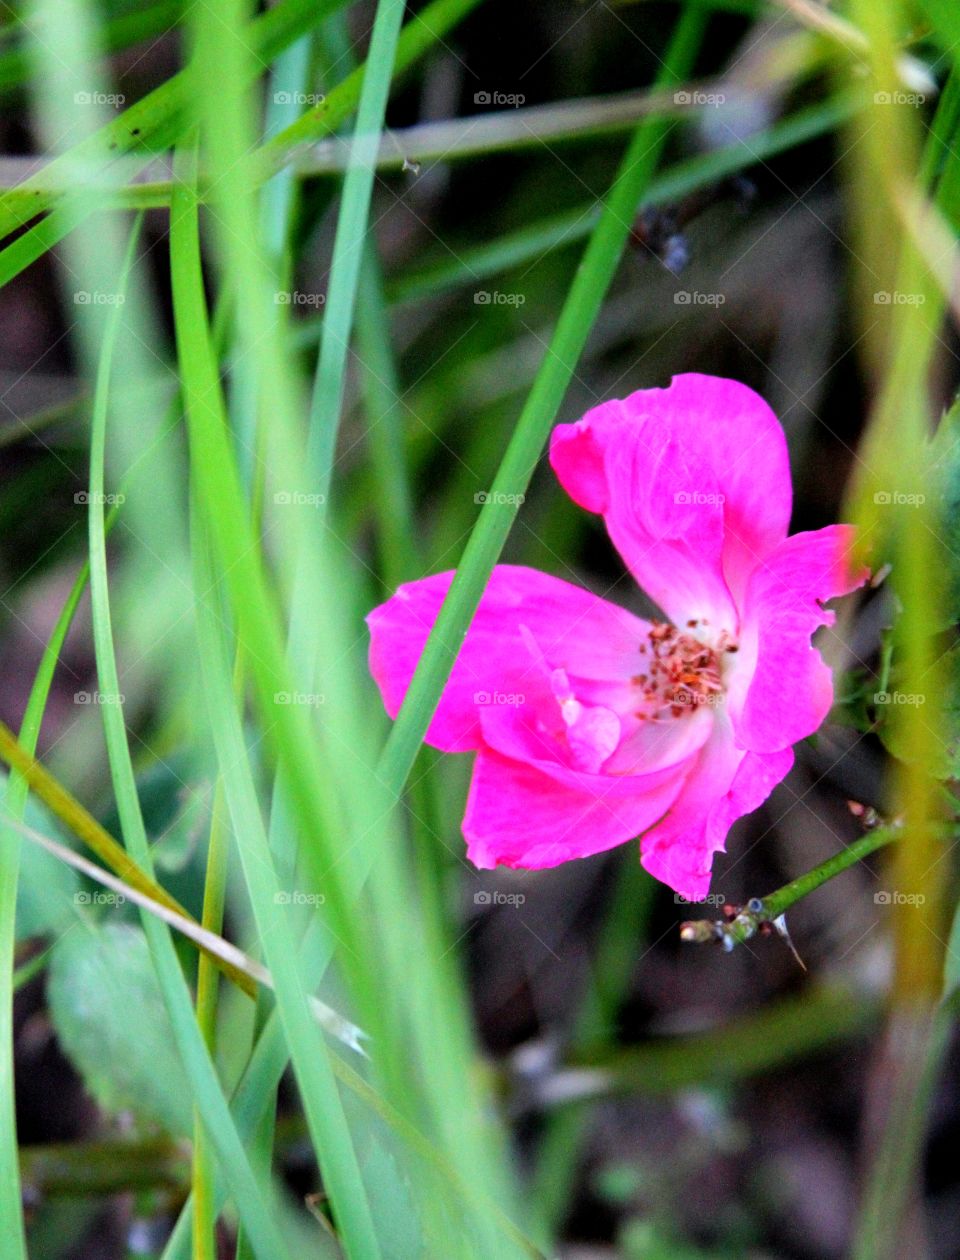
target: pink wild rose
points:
(592, 726)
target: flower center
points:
(681, 672)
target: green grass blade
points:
(418, 37)
(496, 517)
(153, 123)
(248, 1194)
(204, 410)
(318, 1088)
(118, 33)
(348, 245)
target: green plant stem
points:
(780, 1033)
(759, 910)
(102, 1167)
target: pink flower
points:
(592, 726)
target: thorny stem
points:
(742, 922)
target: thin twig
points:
(742, 922)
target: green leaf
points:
(946, 760)
(46, 890)
(109, 1015)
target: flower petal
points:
(693, 482)
(526, 733)
(725, 784)
(780, 687)
(535, 816)
(496, 666)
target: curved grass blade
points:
(205, 418)
(348, 245)
(248, 1193)
(581, 308)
